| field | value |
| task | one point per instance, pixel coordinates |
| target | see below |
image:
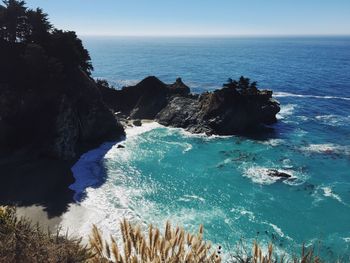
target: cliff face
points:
(43, 132)
(56, 122)
(225, 111)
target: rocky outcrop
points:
(222, 112)
(230, 110)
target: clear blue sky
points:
(199, 17)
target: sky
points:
(199, 17)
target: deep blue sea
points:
(221, 182)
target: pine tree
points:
(39, 27)
(13, 21)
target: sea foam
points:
(286, 110)
(287, 94)
(333, 120)
(260, 175)
(327, 148)
(327, 191)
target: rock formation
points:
(227, 111)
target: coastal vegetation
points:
(27, 39)
(242, 86)
(23, 241)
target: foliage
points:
(21, 241)
(242, 86)
(39, 27)
(21, 27)
(102, 83)
(242, 255)
(13, 21)
(68, 48)
(174, 245)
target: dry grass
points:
(174, 245)
(21, 241)
(242, 255)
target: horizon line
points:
(213, 35)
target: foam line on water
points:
(278, 94)
(327, 148)
(333, 120)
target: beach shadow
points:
(36, 181)
(28, 180)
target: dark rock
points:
(144, 100)
(137, 123)
(276, 173)
(58, 123)
(120, 146)
(224, 112)
(179, 88)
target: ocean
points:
(222, 182)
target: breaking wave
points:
(286, 110)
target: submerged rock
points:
(276, 173)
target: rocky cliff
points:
(57, 122)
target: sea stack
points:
(238, 108)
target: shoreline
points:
(86, 173)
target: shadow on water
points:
(262, 134)
(90, 170)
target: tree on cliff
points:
(242, 86)
(24, 31)
(38, 27)
(13, 21)
(66, 46)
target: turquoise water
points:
(166, 173)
